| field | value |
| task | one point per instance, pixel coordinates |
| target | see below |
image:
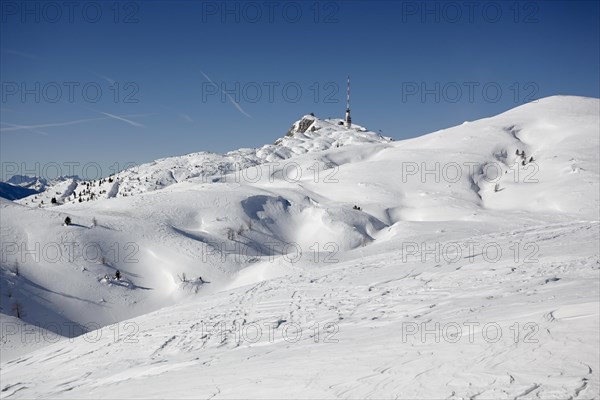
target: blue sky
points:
(91, 84)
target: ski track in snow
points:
(371, 319)
(175, 344)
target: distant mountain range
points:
(21, 186)
(13, 192)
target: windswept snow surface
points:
(468, 272)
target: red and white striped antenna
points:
(348, 96)
(348, 119)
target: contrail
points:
(14, 127)
(19, 53)
(26, 127)
(108, 79)
(137, 124)
(186, 117)
(236, 104)
(30, 127)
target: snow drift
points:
(355, 241)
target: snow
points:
(477, 284)
(209, 166)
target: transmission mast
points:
(348, 119)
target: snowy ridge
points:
(294, 253)
(21, 186)
(309, 134)
(14, 192)
(35, 183)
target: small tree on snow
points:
(17, 308)
(53, 200)
(230, 234)
(68, 221)
(240, 230)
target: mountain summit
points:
(367, 264)
(307, 135)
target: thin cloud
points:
(235, 103)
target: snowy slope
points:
(308, 134)
(506, 243)
(370, 316)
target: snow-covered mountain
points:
(306, 135)
(459, 264)
(30, 182)
(14, 192)
(39, 184)
(21, 186)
